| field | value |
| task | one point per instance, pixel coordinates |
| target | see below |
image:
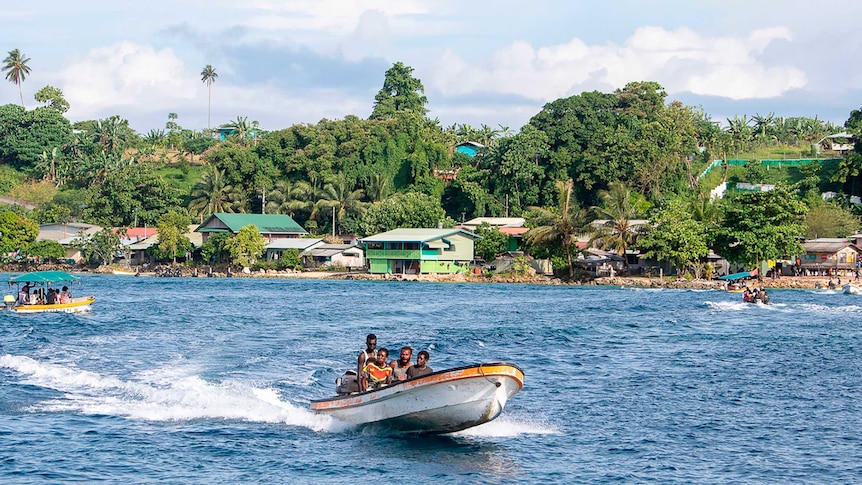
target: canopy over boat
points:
(45, 277)
(737, 276)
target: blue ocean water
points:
(184, 380)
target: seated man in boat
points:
(400, 366)
(421, 368)
(366, 356)
(377, 374)
(65, 295)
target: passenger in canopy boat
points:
(377, 374)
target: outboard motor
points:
(9, 301)
(347, 383)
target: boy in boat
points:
(377, 374)
(366, 356)
(421, 368)
(400, 366)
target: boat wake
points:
(508, 426)
(175, 399)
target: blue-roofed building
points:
(469, 148)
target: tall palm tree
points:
(209, 76)
(16, 68)
(618, 211)
(288, 197)
(341, 196)
(211, 194)
(560, 227)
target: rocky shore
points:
(787, 282)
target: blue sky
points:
(282, 62)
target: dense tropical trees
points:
(208, 77)
(16, 232)
(675, 236)
(758, 226)
(404, 210)
(560, 226)
(26, 134)
(493, 241)
(16, 69)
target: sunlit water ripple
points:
(208, 381)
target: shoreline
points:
(785, 282)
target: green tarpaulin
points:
(44, 277)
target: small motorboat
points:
(31, 297)
(851, 289)
(441, 402)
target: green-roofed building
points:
(419, 251)
(271, 226)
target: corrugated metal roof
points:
(265, 223)
(826, 245)
(300, 243)
(416, 235)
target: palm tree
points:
(209, 76)
(288, 197)
(16, 68)
(241, 128)
(619, 210)
(211, 194)
(341, 196)
(560, 227)
(377, 187)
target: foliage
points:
(828, 219)
(99, 248)
(211, 194)
(173, 227)
(493, 242)
(52, 98)
(46, 249)
(559, 227)
(16, 232)
(24, 135)
(619, 208)
(245, 246)
(404, 210)
(213, 249)
(675, 237)
(290, 259)
(400, 91)
(758, 226)
(133, 194)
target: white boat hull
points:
(850, 289)
(442, 402)
(77, 305)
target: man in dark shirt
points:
(421, 368)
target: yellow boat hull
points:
(77, 305)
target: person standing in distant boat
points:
(400, 366)
(366, 356)
(421, 368)
(377, 373)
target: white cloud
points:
(681, 60)
(127, 74)
(332, 16)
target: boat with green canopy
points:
(46, 291)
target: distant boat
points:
(40, 281)
(442, 402)
(851, 289)
(124, 272)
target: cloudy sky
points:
(282, 62)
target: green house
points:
(419, 251)
(271, 226)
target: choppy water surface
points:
(209, 380)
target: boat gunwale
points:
(417, 382)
